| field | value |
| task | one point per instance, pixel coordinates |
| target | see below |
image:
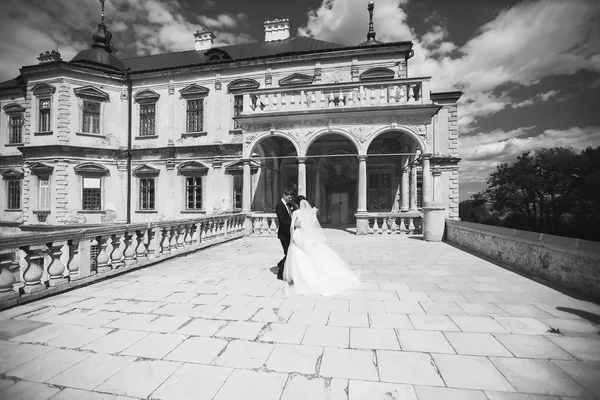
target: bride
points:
(312, 267)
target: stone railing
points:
(36, 265)
(403, 223)
(571, 263)
(338, 95)
(264, 224)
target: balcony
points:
(391, 94)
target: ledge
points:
(193, 211)
(96, 135)
(146, 137)
(146, 211)
(14, 144)
(91, 211)
(13, 210)
(48, 133)
(193, 134)
(235, 131)
(27, 298)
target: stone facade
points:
(264, 125)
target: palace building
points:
(104, 140)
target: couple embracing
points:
(309, 265)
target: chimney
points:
(49, 56)
(204, 39)
(277, 29)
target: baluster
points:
(196, 236)
(292, 100)
(187, 239)
(173, 240)
(273, 227)
(275, 104)
(389, 225)
(384, 225)
(380, 230)
(203, 232)
(180, 236)
(376, 229)
(266, 99)
(116, 255)
(383, 95)
(373, 96)
(265, 227)
(32, 276)
(283, 101)
(211, 230)
(411, 226)
(394, 226)
(56, 268)
(302, 99)
(141, 251)
(255, 226)
(103, 259)
(223, 227)
(402, 227)
(129, 252)
(411, 94)
(7, 278)
(165, 243)
(74, 262)
(370, 229)
(402, 94)
(152, 248)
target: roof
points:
(298, 44)
(10, 84)
(99, 57)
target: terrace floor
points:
(430, 322)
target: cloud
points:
(537, 98)
(522, 45)
(483, 151)
(139, 27)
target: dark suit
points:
(283, 233)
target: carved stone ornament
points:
(317, 77)
(354, 71)
(361, 133)
(124, 95)
(171, 88)
(218, 84)
(422, 129)
(268, 79)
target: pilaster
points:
(64, 114)
(62, 179)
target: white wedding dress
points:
(312, 267)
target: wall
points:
(570, 263)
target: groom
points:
(284, 210)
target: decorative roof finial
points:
(102, 3)
(371, 33)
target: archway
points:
(276, 155)
(332, 177)
(394, 180)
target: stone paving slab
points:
(429, 322)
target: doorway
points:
(338, 208)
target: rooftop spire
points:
(102, 37)
(370, 7)
(371, 34)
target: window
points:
(92, 194)
(380, 193)
(147, 119)
(15, 124)
(193, 189)
(194, 115)
(44, 115)
(14, 194)
(238, 187)
(91, 117)
(147, 192)
(238, 107)
(44, 193)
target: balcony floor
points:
(430, 322)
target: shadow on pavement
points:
(593, 318)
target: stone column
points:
(302, 176)
(247, 188)
(362, 183)
(413, 187)
(404, 185)
(317, 198)
(426, 179)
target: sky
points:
(529, 69)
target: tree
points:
(552, 190)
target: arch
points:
(146, 96)
(13, 108)
(145, 171)
(90, 169)
(377, 73)
(91, 92)
(216, 54)
(272, 133)
(242, 84)
(192, 168)
(331, 131)
(43, 89)
(403, 129)
(193, 91)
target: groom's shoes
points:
(280, 275)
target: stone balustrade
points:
(264, 224)
(403, 223)
(391, 92)
(33, 266)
